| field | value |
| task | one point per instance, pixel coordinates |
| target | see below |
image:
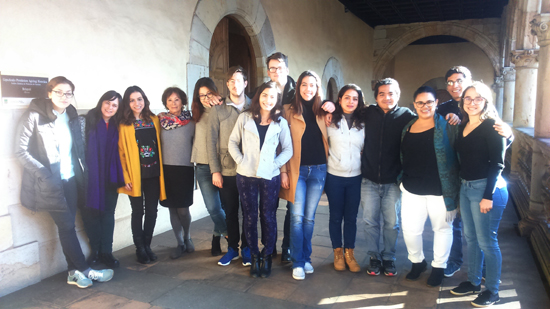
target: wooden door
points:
(219, 56)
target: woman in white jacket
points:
(346, 137)
(260, 144)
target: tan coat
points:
(292, 167)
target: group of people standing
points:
(282, 142)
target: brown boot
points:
(351, 262)
(339, 263)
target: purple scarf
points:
(103, 160)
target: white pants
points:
(415, 209)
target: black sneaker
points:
(485, 299)
(389, 268)
(466, 287)
(373, 268)
(416, 270)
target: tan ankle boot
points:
(339, 263)
(351, 262)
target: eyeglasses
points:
(276, 69)
(60, 94)
(452, 82)
(208, 95)
(422, 104)
(474, 101)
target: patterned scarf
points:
(169, 121)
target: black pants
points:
(149, 199)
(100, 225)
(286, 229)
(229, 196)
(66, 228)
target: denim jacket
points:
(447, 160)
(253, 162)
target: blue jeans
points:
(481, 232)
(308, 193)
(456, 249)
(344, 197)
(211, 196)
(382, 199)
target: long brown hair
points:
(356, 115)
(127, 115)
(296, 104)
(255, 108)
(489, 110)
(197, 109)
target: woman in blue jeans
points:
(346, 136)
(483, 193)
(303, 177)
(253, 144)
(204, 95)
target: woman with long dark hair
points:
(253, 145)
(50, 147)
(346, 137)
(483, 192)
(206, 92)
(178, 130)
(104, 177)
(141, 157)
(303, 177)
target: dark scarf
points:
(103, 160)
(169, 121)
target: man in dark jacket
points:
(380, 165)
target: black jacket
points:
(380, 161)
(450, 106)
(36, 149)
(288, 93)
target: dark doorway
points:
(231, 46)
(332, 90)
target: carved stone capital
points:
(509, 74)
(499, 82)
(540, 27)
(527, 58)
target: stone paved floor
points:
(196, 281)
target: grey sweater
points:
(199, 154)
(177, 145)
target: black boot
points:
(265, 268)
(147, 245)
(255, 266)
(142, 256)
(436, 277)
(216, 248)
(416, 270)
(109, 260)
(94, 258)
(285, 255)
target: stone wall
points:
(102, 45)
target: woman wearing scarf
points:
(104, 178)
(178, 130)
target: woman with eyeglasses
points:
(483, 192)
(346, 137)
(429, 185)
(204, 96)
(303, 177)
(178, 130)
(50, 147)
(104, 178)
(141, 158)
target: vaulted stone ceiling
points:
(389, 12)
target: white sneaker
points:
(298, 273)
(308, 268)
(78, 279)
(103, 275)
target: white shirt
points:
(64, 144)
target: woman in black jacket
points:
(49, 145)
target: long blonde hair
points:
(489, 110)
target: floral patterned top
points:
(146, 138)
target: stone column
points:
(542, 116)
(498, 88)
(509, 75)
(526, 87)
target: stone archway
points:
(208, 13)
(389, 40)
(332, 72)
